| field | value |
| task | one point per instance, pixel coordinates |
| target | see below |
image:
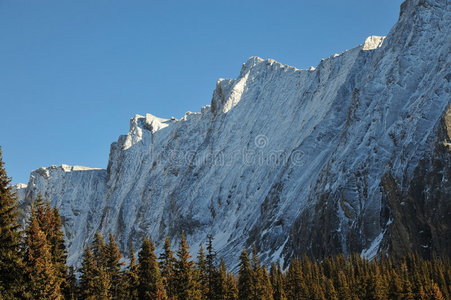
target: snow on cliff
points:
(287, 160)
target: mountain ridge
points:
(286, 160)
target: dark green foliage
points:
(102, 279)
(130, 279)
(296, 287)
(202, 275)
(231, 287)
(41, 275)
(261, 284)
(70, 289)
(245, 277)
(45, 255)
(277, 282)
(49, 222)
(212, 272)
(88, 273)
(150, 283)
(333, 278)
(185, 279)
(10, 256)
(167, 267)
(98, 261)
(221, 284)
(113, 266)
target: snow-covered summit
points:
(373, 42)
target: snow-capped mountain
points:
(350, 156)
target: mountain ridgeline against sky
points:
(350, 156)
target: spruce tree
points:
(202, 274)
(407, 292)
(213, 283)
(58, 246)
(395, 286)
(265, 291)
(232, 288)
(41, 278)
(150, 282)
(71, 289)
(87, 274)
(95, 280)
(104, 285)
(317, 292)
(50, 223)
(98, 249)
(10, 256)
(113, 265)
(222, 287)
(167, 267)
(186, 287)
(296, 287)
(344, 290)
(375, 287)
(130, 279)
(331, 292)
(245, 277)
(277, 282)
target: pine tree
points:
(376, 289)
(113, 265)
(265, 291)
(232, 288)
(130, 279)
(202, 274)
(95, 283)
(10, 257)
(317, 291)
(98, 281)
(277, 282)
(245, 277)
(88, 280)
(42, 282)
(58, 246)
(261, 283)
(184, 275)
(213, 284)
(407, 293)
(395, 289)
(150, 282)
(167, 267)
(98, 249)
(222, 283)
(295, 284)
(331, 292)
(70, 289)
(50, 223)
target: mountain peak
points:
(373, 42)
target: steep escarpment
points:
(420, 217)
(289, 161)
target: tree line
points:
(33, 266)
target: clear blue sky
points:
(72, 73)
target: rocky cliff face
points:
(350, 156)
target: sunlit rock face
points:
(350, 156)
